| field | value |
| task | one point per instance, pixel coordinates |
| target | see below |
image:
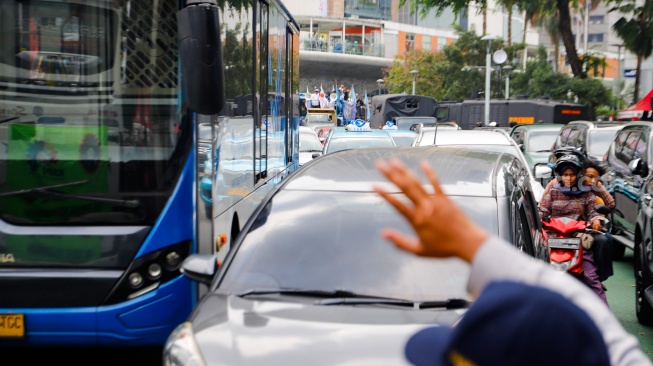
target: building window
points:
(410, 42)
(442, 41)
(426, 42)
(595, 37)
(597, 19)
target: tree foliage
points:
(457, 71)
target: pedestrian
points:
(526, 313)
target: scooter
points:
(565, 246)
(566, 249)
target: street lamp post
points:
(618, 91)
(380, 82)
(488, 65)
(414, 72)
(507, 69)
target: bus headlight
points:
(181, 348)
(135, 280)
(147, 273)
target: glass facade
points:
(368, 9)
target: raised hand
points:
(442, 228)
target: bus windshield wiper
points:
(47, 190)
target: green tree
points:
(558, 7)
(428, 81)
(635, 28)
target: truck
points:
(469, 114)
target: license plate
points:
(564, 243)
(12, 325)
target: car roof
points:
(462, 172)
(401, 132)
(598, 124)
(306, 129)
(540, 126)
(339, 132)
(472, 137)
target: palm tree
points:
(636, 31)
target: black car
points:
(592, 138)
(628, 160)
(643, 258)
(310, 272)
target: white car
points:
(490, 140)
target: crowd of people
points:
(344, 101)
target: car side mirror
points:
(200, 267)
(638, 167)
(542, 171)
(316, 155)
(521, 147)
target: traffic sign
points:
(630, 73)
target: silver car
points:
(485, 140)
(310, 281)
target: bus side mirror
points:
(200, 53)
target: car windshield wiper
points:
(542, 151)
(298, 292)
(47, 191)
(346, 297)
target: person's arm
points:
(545, 205)
(497, 260)
(590, 208)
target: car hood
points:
(233, 331)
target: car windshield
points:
(337, 144)
(541, 140)
(406, 123)
(336, 243)
(403, 140)
(600, 140)
(309, 142)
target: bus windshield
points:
(91, 130)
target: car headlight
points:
(181, 348)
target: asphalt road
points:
(621, 297)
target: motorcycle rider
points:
(603, 243)
(569, 199)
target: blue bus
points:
(99, 182)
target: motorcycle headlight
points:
(181, 348)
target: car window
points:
(628, 147)
(580, 140)
(403, 140)
(640, 149)
(518, 136)
(564, 135)
(541, 140)
(572, 138)
(332, 231)
(599, 141)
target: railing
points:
(351, 47)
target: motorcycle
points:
(565, 244)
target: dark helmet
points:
(568, 161)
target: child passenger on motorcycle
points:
(577, 202)
(602, 247)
